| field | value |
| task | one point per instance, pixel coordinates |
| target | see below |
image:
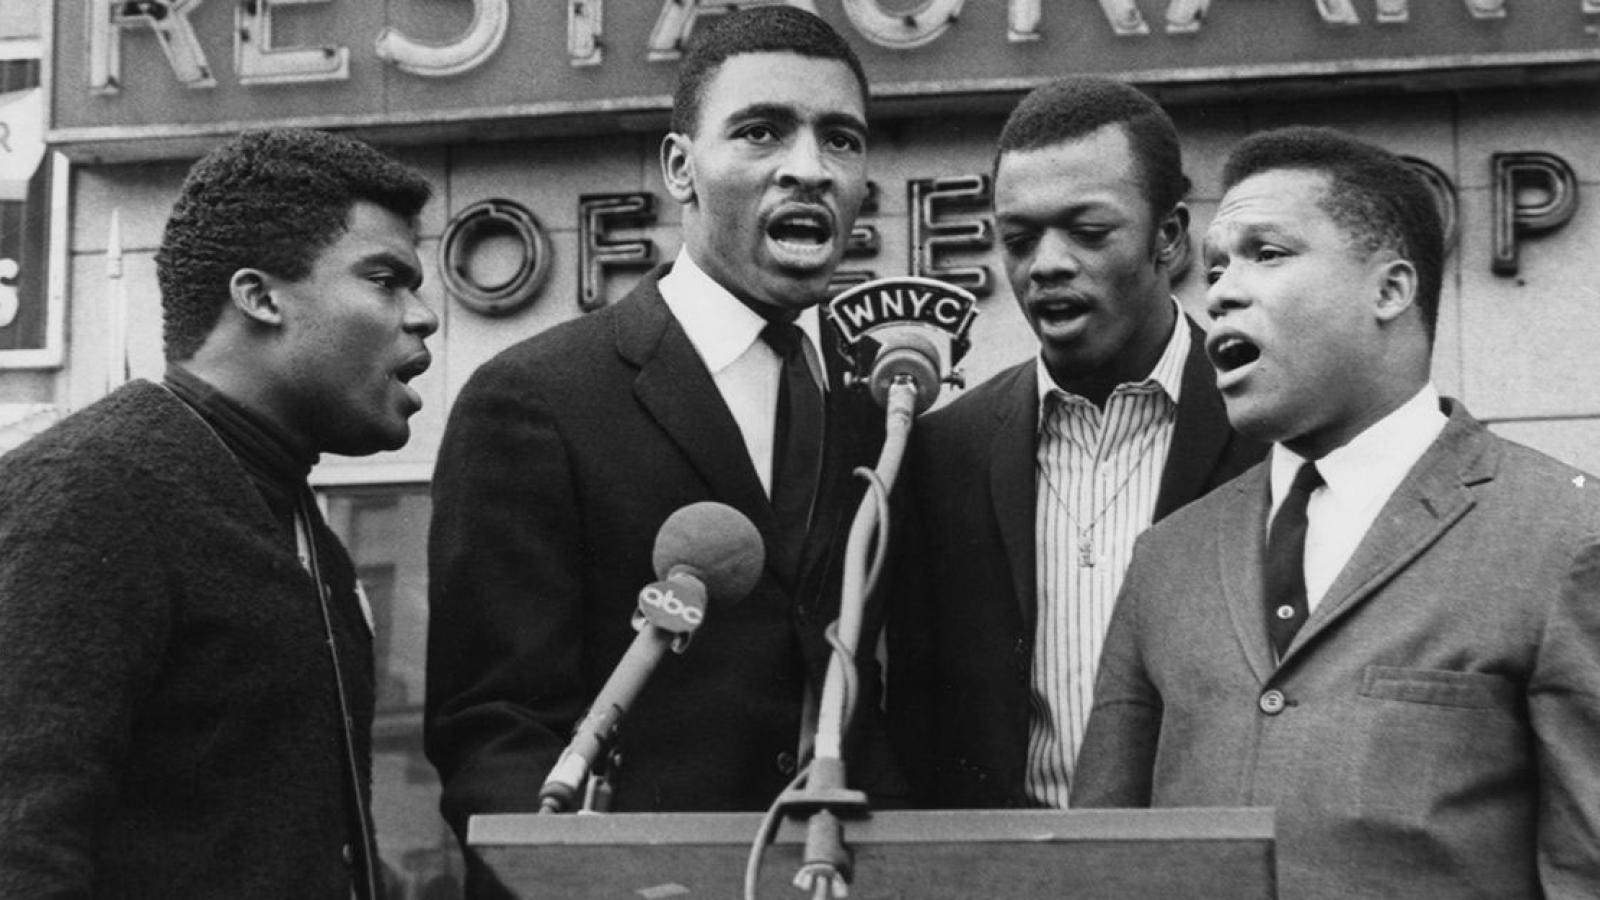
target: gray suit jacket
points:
(1434, 730)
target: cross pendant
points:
(1086, 549)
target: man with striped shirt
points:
(1024, 496)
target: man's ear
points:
(252, 292)
(1397, 289)
(1172, 239)
(677, 166)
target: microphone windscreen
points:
(717, 543)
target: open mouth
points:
(800, 228)
(801, 231)
(1059, 310)
(1232, 352)
(1060, 317)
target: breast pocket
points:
(1435, 736)
(1439, 687)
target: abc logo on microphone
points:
(677, 605)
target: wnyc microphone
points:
(901, 336)
(906, 330)
(703, 552)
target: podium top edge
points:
(891, 827)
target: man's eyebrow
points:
(786, 115)
(1068, 212)
(774, 111)
(1249, 231)
(844, 119)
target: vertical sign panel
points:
(30, 319)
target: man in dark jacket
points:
(1024, 496)
(185, 656)
(565, 454)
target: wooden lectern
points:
(1192, 854)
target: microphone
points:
(905, 353)
(704, 551)
(905, 332)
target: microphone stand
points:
(826, 868)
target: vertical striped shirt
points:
(1095, 491)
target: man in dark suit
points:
(1391, 630)
(186, 669)
(565, 454)
(1025, 494)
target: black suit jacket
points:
(562, 457)
(961, 633)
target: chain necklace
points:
(1085, 532)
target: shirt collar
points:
(1375, 461)
(720, 327)
(258, 442)
(1167, 374)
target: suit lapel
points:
(674, 387)
(1012, 463)
(1434, 495)
(1199, 434)
(1241, 539)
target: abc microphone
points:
(703, 552)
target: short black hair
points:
(1378, 199)
(1072, 108)
(271, 200)
(760, 29)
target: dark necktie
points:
(796, 441)
(1286, 561)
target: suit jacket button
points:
(349, 854)
(1272, 702)
(786, 763)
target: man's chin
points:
(397, 436)
(1248, 416)
(796, 290)
(380, 440)
(1071, 360)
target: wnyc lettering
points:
(900, 301)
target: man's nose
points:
(804, 162)
(420, 318)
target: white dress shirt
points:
(1358, 480)
(1098, 475)
(727, 336)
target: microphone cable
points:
(767, 830)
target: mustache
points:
(807, 193)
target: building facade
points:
(539, 125)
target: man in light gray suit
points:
(1390, 630)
